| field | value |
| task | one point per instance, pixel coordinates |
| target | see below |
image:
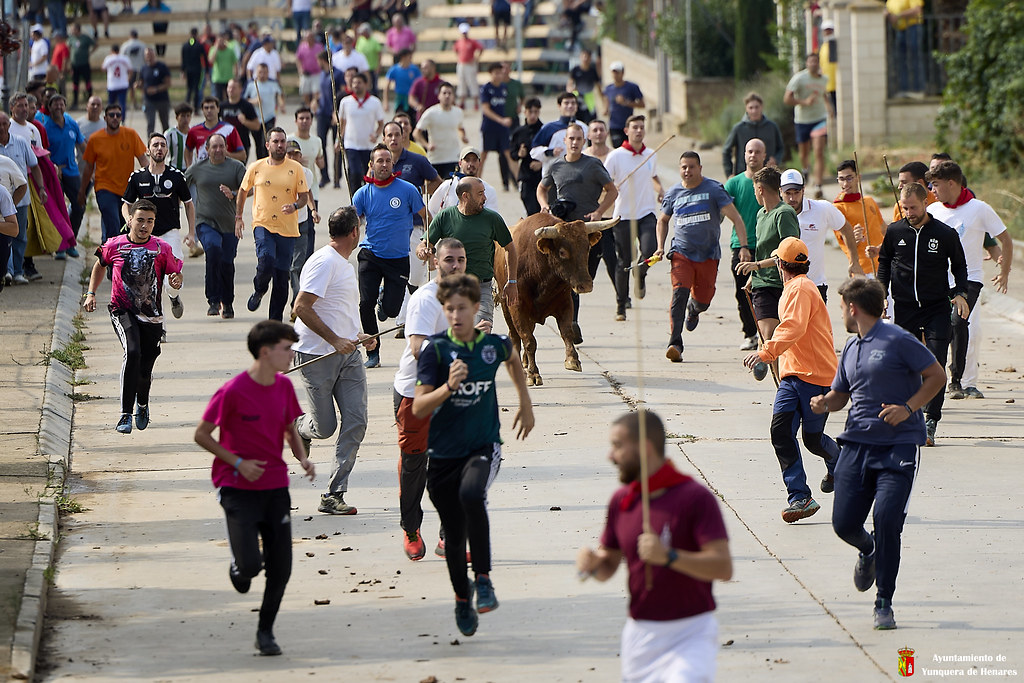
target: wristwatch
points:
(672, 557)
(296, 205)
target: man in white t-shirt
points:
(20, 124)
(639, 199)
(118, 68)
(360, 121)
(135, 50)
(443, 124)
(971, 218)
(818, 218)
(38, 54)
(267, 54)
(348, 57)
(327, 312)
(424, 318)
(468, 166)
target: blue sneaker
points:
(141, 417)
(124, 425)
(486, 601)
(372, 359)
(465, 616)
(72, 252)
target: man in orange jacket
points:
(807, 364)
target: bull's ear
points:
(545, 245)
(594, 237)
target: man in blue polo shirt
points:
(889, 375)
(66, 140)
(388, 204)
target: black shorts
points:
(766, 302)
(502, 18)
(495, 141)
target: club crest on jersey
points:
(489, 354)
(395, 203)
(933, 245)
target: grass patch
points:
(81, 381)
(71, 354)
(79, 397)
(68, 506)
(34, 534)
(687, 438)
(50, 574)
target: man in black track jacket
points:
(913, 262)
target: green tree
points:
(714, 27)
(980, 118)
(754, 19)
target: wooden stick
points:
(259, 101)
(760, 337)
(656, 149)
(864, 210)
(645, 488)
(895, 195)
(335, 352)
(339, 144)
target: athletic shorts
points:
(466, 80)
(495, 141)
(309, 84)
(806, 131)
(766, 302)
(697, 276)
(502, 18)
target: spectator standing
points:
(159, 27)
(806, 93)
(92, 121)
(754, 124)
(425, 91)
(98, 10)
(495, 125)
(274, 180)
(10, 176)
(57, 15)
(110, 154)
(360, 122)
(216, 179)
(240, 113)
(65, 142)
(399, 37)
(443, 124)
(134, 49)
(369, 47)
(907, 20)
(402, 74)
(223, 65)
(585, 81)
(266, 96)
(467, 52)
(61, 59)
(348, 57)
(39, 53)
(155, 82)
(331, 81)
(193, 66)
(20, 152)
(82, 46)
(302, 17)
(309, 67)
(268, 55)
(621, 97)
(195, 142)
(501, 14)
(177, 137)
(828, 57)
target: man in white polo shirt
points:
(818, 218)
(361, 119)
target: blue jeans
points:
(302, 20)
(273, 261)
(58, 19)
(119, 97)
(220, 248)
(111, 220)
(16, 260)
(301, 252)
(910, 58)
(793, 406)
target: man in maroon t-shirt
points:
(423, 93)
(671, 629)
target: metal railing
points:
(914, 67)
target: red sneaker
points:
(413, 544)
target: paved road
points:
(142, 591)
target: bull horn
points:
(550, 232)
(598, 226)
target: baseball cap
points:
(828, 26)
(467, 150)
(37, 28)
(791, 178)
(293, 146)
(618, 66)
(792, 250)
(463, 27)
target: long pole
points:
(334, 353)
(645, 488)
(864, 211)
(259, 101)
(338, 144)
(760, 337)
(656, 149)
(895, 195)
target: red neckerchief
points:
(360, 103)
(348, 91)
(665, 477)
(848, 197)
(965, 196)
(381, 183)
(626, 145)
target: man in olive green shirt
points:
(741, 188)
(775, 222)
(478, 229)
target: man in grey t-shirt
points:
(217, 178)
(579, 181)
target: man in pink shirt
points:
(467, 52)
(309, 68)
(399, 37)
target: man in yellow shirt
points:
(279, 190)
(907, 19)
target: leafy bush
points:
(714, 29)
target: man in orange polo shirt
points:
(111, 153)
(807, 364)
(860, 216)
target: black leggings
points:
(141, 343)
(394, 273)
(458, 489)
(255, 514)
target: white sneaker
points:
(19, 279)
(749, 344)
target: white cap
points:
(828, 26)
(792, 178)
(37, 27)
(463, 27)
(618, 66)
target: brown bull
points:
(552, 264)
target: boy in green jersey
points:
(455, 382)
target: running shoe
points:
(692, 319)
(674, 353)
(32, 274)
(799, 510)
(414, 546)
(266, 643)
(177, 308)
(214, 309)
(864, 571)
(972, 392)
(884, 619)
(334, 504)
(72, 252)
(141, 417)
(620, 313)
(465, 616)
(749, 344)
(439, 549)
(381, 316)
(955, 391)
(60, 256)
(372, 359)
(641, 290)
(486, 600)
(227, 312)
(241, 583)
(124, 425)
(19, 279)
(930, 427)
(828, 484)
(254, 301)
(760, 370)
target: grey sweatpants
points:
(341, 380)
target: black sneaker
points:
(380, 306)
(828, 484)
(266, 644)
(254, 301)
(620, 313)
(692, 318)
(955, 391)
(864, 571)
(799, 510)
(465, 616)
(486, 601)
(885, 620)
(214, 309)
(31, 273)
(930, 427)
(142, 417)
(334, 504)
(124, 425)
(227, 312)
(241, 583)
(642, 286)
(177, 308)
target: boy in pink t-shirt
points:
(256, 413)
(467, 52)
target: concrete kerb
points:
(55, 426)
